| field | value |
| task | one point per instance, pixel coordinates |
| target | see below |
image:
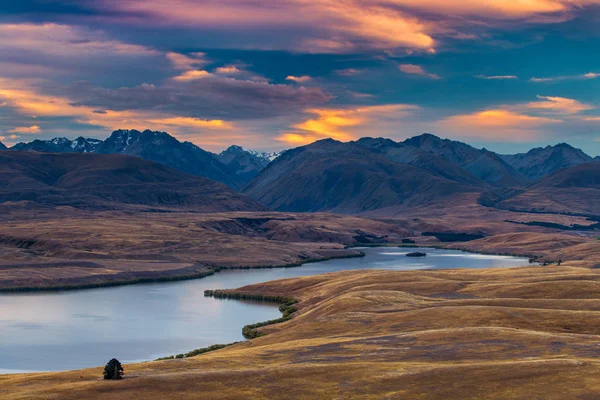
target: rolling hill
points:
(347, 178)
(94, 181)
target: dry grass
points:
(453, 334)
(527, 333)
(75, 248)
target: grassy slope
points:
(454, 334)
(86, 248)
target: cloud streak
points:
(496, 77)
(413, 69)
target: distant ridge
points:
(163, 148)
(484, 164)
(542, 161)
(60, 145)
(434, 163)
(246, 163)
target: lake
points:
(50, 331)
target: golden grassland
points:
(75, 248)
(522, 333)
(525, 333)
(66, 247)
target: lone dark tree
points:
(113, 370)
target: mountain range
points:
(367, 174)
(234, 167)
(345, 177)
(379, 174)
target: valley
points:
(371, 334)
(281, 200)
(89, 219)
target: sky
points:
(275, 74)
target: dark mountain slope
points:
(110, 181)
(347, 178)
(2, 146)
(574, 190)
(480, 163)
(165, 149)
(405, 154)
(542, 161)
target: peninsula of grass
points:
(161, 279)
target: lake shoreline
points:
(209, 271)
(249, 326)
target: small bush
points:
(113, 370)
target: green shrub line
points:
(286, 307)
(197, 351)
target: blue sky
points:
(270, 75)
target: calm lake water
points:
(51, 331)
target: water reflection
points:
(77, 329)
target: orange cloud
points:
(559, 105)
(344, 25)
(496, 124)
(187, 62)
(191, 122)
(298, 79)
(30, 104)
(192, 75)
(413, 69)
(32, 130)
(335, 26)
(495, 9)
(344, 124)
(228, 70)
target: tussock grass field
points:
(453, 334)
(71, 248)
(521, 333)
